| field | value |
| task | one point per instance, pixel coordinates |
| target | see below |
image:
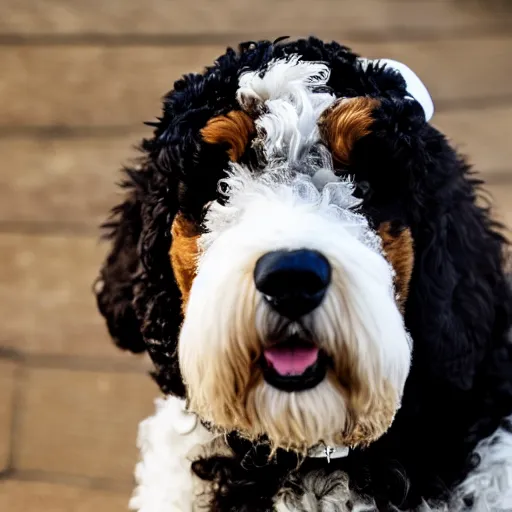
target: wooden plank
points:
(265, 17)
(8, 372)
(483, 135)
(70, 180)
(48, 307)
(91, 85)
(37, 496)
(455, 71)
(501, 197)
(96, 86)
(91, 427)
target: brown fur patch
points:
(234, 129)
(374, 421)
(399, 251)
(344, 123)
(183, 254)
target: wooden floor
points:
(77, 80)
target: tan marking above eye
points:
(399, 251)
(183, 254)
(234, 129)
(344, 123)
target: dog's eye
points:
(363, 190)
(222, 188)
(222, 192)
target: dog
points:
(324, 297)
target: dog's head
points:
(264, 253)
(291, 323)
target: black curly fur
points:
(458, 310)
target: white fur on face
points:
(358, 324)
(296, 202)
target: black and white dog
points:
(325, 303)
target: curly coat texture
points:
(458, 307)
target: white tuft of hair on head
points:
(288, 95)
(283, 79)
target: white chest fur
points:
(166, 442)
(171, 438)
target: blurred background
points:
(77, 78)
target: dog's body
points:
(304, 259)
(170, 441)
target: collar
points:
(323, 451)
(186, 422)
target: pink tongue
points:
(291, 360)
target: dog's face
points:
(292, 300)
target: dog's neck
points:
(173, 438)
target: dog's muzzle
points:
(293, 283)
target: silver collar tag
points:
(328, 452)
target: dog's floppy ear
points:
(136, 290)
(114, 288)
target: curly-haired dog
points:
(303, 256)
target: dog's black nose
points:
(293, 282)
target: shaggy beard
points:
(297, 421)
(346, 408)
(358, 325)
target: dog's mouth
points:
(294, 364)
